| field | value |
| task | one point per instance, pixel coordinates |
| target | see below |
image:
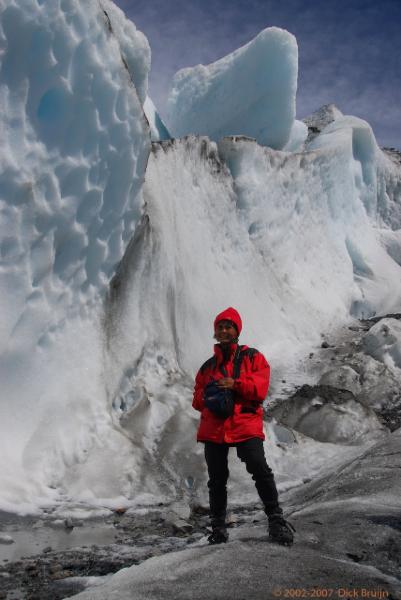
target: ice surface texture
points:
(96, 398)
(248, 92)
(317, 217)
(74, 148)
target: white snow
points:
(248, 92)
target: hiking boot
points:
(280, 530)
(219, 535)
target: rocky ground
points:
(54, 575)
(347, 522)
(51, 574)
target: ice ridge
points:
(248, 92)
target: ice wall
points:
(248, 92)
(190, 257)
(320, 216)
(293, 240)
(75, 144)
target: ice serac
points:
(320, 217)
(376, 177)
(248, 92)
(75, 144)
(158, 130)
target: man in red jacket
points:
(229, 392)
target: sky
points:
(349, 50)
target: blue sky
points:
(349, 50)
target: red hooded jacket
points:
(250, 390)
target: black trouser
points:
(251, 452)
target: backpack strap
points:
(210, 363)
(238, 358)
(250, 352)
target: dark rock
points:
(373, 320)
(344, 377)
(181, 526)
(199, 510)
(356, 557)
(120, 511)
(6, 539)
(327, 414)
(68, 524)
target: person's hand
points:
(226, 382)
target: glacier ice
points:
(298, 137)
(75, 144)
(248, 92)
(158, 130)
(332, 195)
(286, 235)
(109, 283)
(133, 46)
(383, 342)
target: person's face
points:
(225, 332)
